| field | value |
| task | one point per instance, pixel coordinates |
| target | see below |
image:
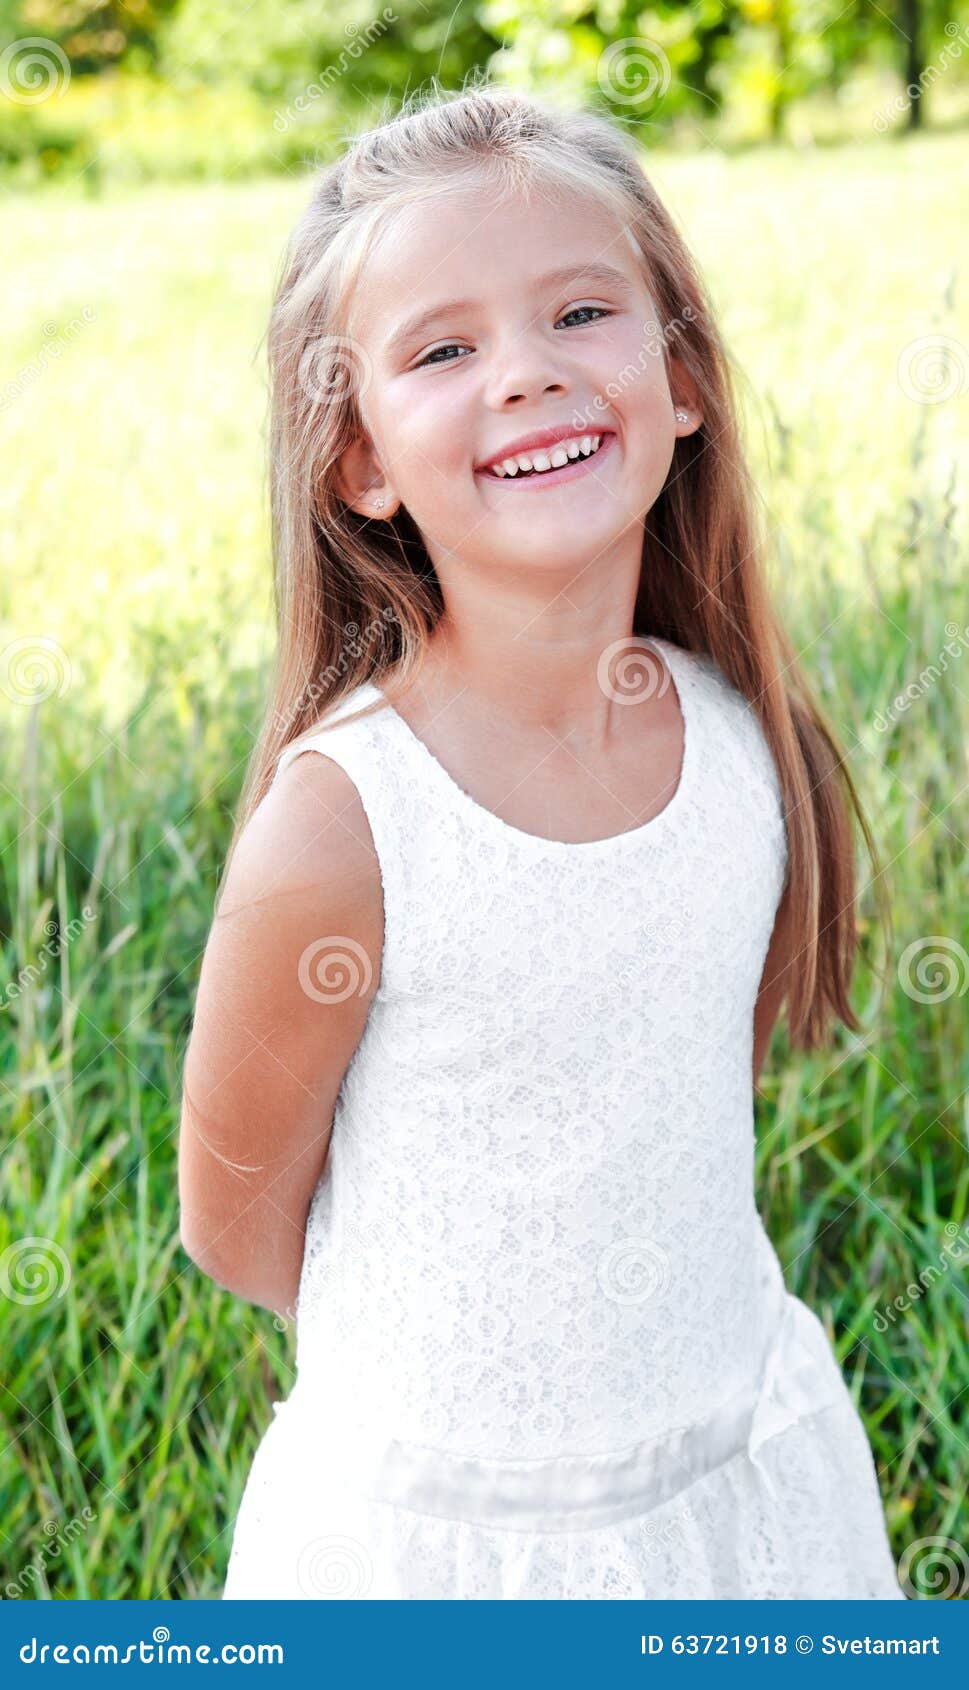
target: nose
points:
(522, 370)
(525, 394)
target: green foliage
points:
(281, 48)
(95, 34)
(126, 129)
(226, 92)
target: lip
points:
(537, 440)
(553, 477)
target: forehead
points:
(467, 243)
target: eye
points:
(435, 354)
(454, 345)
(600, 309)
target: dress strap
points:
(359, 745)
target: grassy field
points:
(135, 623)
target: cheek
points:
(648, 389)
(630, 375)
(431, 429)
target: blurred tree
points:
(911, 21)
(93, 33)
(358, 54)
(913, 30)
(331, 68)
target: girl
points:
(494, 968)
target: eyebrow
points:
(411, 326)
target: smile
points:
(571, 458)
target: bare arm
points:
(773, 984)
(273, 1032)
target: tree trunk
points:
(911, 23)
(785, 42)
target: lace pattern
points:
(537, 1229)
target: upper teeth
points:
(582, 445)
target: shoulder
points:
(314, 809)
(702, 668)
(312, 819)
(742, 745)
(711, 678)
(300, 904)
(710, 692)
(307, 849)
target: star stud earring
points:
(378, 504)
(682, 416)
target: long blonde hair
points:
(356, 599)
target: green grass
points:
(134, 541)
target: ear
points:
(685, 396)
(360, 482)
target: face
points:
(474, 345)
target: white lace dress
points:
(544, 1346)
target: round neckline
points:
(589, 847)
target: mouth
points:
(583, 451)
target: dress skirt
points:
(774, 1495)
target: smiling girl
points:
(542, 829)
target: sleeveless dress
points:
(544, 1346)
